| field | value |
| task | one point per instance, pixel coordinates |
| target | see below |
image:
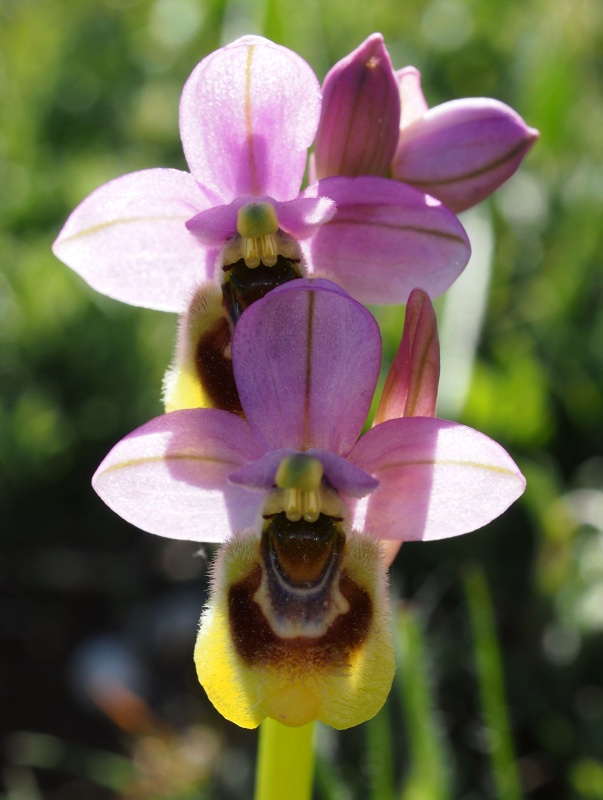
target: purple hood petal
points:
(248, 114)
(306, 360)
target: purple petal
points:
(260, 474)
(411, 386)
(170, 476)
(412, 101)
(359, 121)
(386, 239)
(437, 479)
(128, 239)
(303, 215)
(248, 113)
(306, 359)
(345, 477)
(215, 225)
(461, 151)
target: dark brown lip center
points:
(242, 286)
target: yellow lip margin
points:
(340, 694)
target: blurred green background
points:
(98, 697)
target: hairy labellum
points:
(297, 627)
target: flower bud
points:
(461, 151)
(360, 115)
(412, 100)
(411, 386)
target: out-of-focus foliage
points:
(90, 91)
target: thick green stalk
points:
(285, 762)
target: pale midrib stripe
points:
(124, 221)
(249, 122)
(137, 462)
(446, 463)
(308, 370)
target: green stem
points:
(491, 686)
(427, 777)
(379, 753)
(285, 762)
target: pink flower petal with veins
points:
(386, 239)
(248, 114)
(128, 239)
(170, 476)
(436, 479)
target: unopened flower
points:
(411, 387)
(360, 124)
(248, 114)
(459, 152)
(297, 625)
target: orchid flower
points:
(248, 114)
(297, 626)
(375, 121)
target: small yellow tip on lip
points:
(257, 219)
(257, 225)
(299, 471)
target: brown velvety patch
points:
(215, 369)
(257, 644)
